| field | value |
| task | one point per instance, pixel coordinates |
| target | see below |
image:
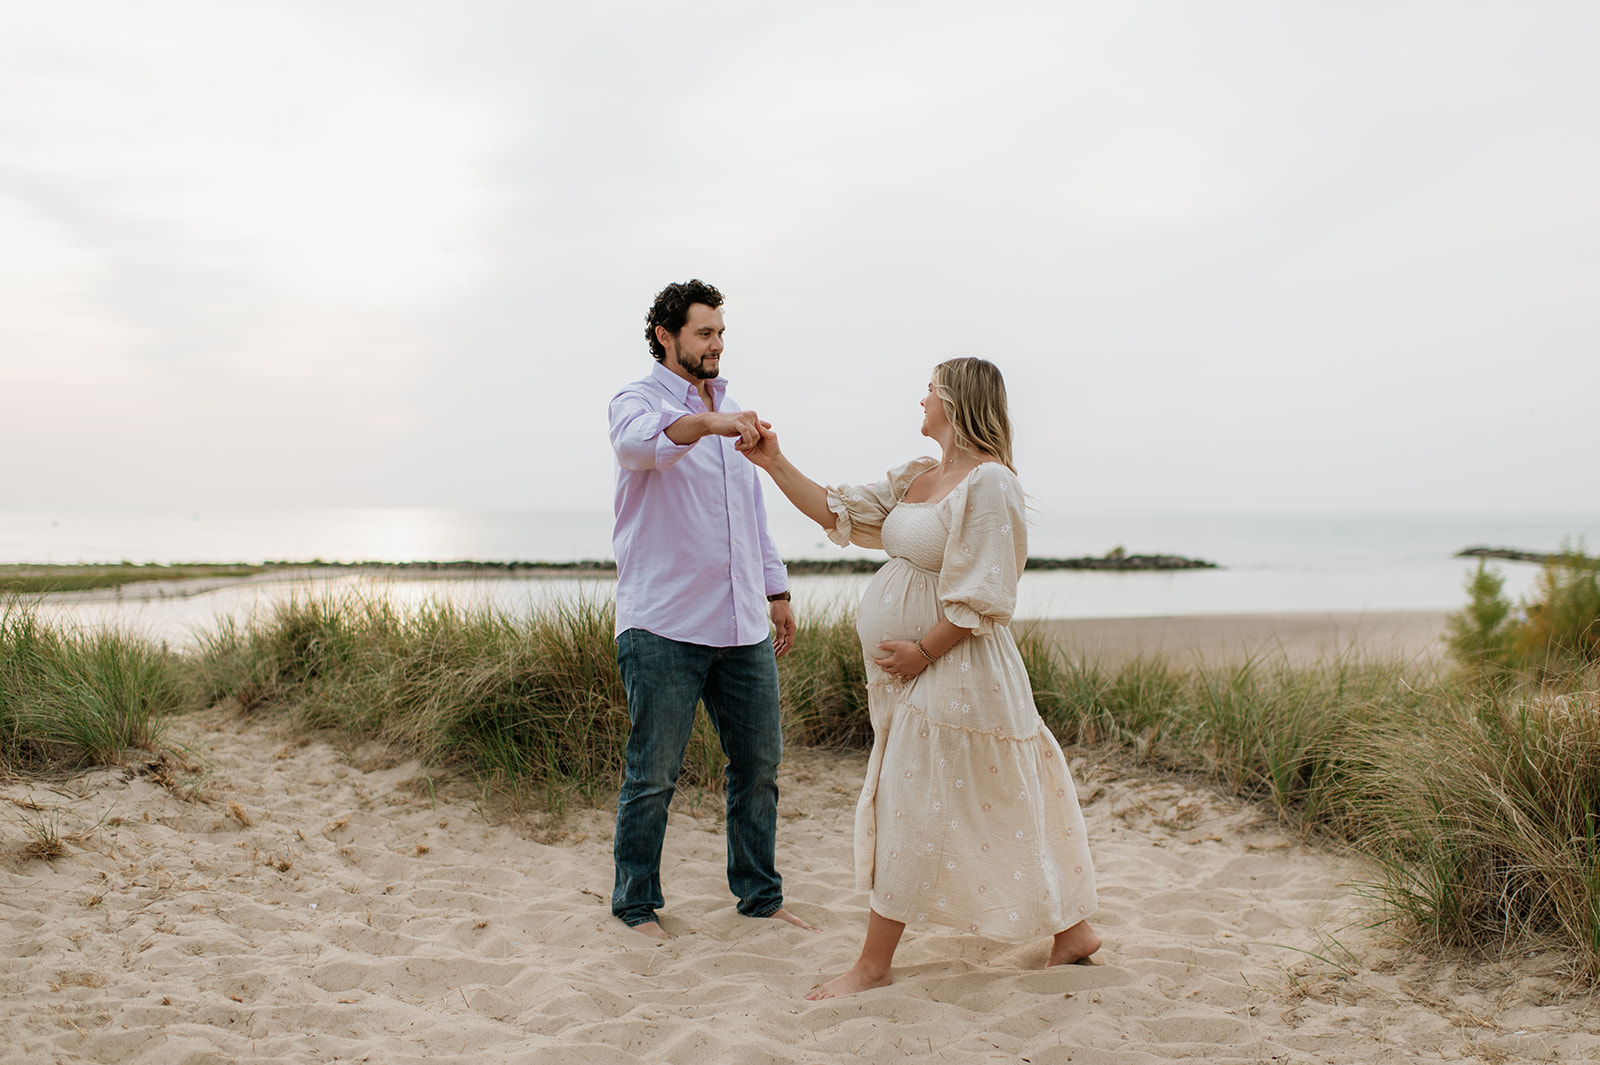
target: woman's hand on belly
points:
(905, 659)
(901, 659)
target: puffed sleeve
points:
(859, 510)
(987, 549)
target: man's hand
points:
(743, 424)
(783, 623)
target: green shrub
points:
(1481, 636)
(1556, 631)
(1562, 627)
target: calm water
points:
(1272, 563)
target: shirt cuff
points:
(668, 450)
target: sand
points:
(294, 902)
(1415, 635)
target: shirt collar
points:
(685, 390)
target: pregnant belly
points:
(901, 603)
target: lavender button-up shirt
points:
(695, 562)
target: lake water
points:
(1271, 563)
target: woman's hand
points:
(903, 660)
(764, 450)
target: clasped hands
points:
(755, 439)
(745, 425)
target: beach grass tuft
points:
(823, 681)
(1493, 838)
(70, 699)
(529, 702)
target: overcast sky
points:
(1230, 256)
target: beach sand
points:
(1413, 635)
(294, 902)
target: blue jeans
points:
(665, 680)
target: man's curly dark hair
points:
(671, 310)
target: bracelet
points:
(777, 596)
(924, 651)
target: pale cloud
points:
(48, 304)
(254, 137)
(1229, 255)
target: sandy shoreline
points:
(1412, 635)
(292, 902)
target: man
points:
(697, 578)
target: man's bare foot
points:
(798, 922)
(1074, 946)
(651, 929)
(859, 978)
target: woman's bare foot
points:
(1074, 946)
(872, 967)
(651, 929)
(799, 922)
(859, 978)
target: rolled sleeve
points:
(639, 433)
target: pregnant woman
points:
(968, 816)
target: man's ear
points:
(664, 338)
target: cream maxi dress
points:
(968, 816)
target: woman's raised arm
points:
(809, 497)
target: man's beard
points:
(697, 370)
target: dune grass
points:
(1478, 802)
(531, 702)
(72, 699)
(1492, 839)
(527, 703)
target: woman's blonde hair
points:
(974, 396)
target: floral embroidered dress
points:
(968, 816)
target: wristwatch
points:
(777, 596)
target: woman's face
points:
(933, 416)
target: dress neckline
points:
(953, 488)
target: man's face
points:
(695, 354)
